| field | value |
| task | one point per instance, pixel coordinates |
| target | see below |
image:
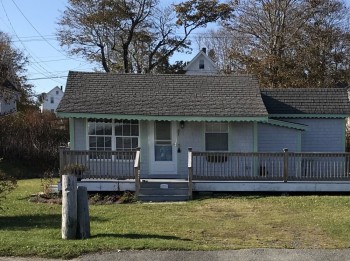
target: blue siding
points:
(323, 135)
(274, 138)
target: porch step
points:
(162, 191)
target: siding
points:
(275, 139)
(80, 131)
(241, 137)
(323, 135)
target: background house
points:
(201, 64)
(51, 99)
(9, 95)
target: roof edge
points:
(261, 118)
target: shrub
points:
(7, 184)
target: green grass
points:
(207, 224)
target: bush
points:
(7, 184)
(32, 138)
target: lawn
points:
(28, 228)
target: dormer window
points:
(201, 64)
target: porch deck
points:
(213, 172)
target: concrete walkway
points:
(237, 255)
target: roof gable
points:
(163, 95)
(192, 67)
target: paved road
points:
(236, 255)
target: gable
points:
(201, 64)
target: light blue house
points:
(241, 138)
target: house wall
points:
(47, 105)
(80, 139)
(322, 135)
(7, 107)
(275, 138)
(240, 138)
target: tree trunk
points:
(69, 207)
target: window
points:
(201, 64)
(100, 134)
(57, 92)
(52, 100)
(52, 110)
(216, 136)
(126, 134)
(108, 135)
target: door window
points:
(163, 144)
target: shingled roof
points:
(163, 95)
(306, 101)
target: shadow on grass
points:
(139, 236)
(28, 222)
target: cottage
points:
(235, 131)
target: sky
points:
(32, 25)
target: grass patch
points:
(28, 228)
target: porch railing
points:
(282, 166)
(99, 164)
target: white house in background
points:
(51, 99)
(9, 96)
(201, 64)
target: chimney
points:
(204, 50)
(61, 88)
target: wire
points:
(35, 67)
(39, 32)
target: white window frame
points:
(113, 137)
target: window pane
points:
(135, 143)
(108, 142)
(108, 129)
(91, 128)
(92, 142)
(163, 153)
(216, 127)
(134, 130)
(99, 129)
(126, 130)
(119, 143)
(119, 129)
(134, 122)
(163, 131)
(216, 141)
(127, 143)
(100, 142)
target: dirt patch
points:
(94, 198)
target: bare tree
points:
(133, 35)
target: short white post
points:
(83, 227)
(69, 207)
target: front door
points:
(163, 148)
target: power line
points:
(38, 31)
(45, 78)
(29, 54)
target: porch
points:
(212, 172)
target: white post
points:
(83, 227)
(69, 207)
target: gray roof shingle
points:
(163, 95)
(306, 101)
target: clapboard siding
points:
(80, 132)
(241, 137)
(275, 139)
(323, 135)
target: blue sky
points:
(32, 24)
